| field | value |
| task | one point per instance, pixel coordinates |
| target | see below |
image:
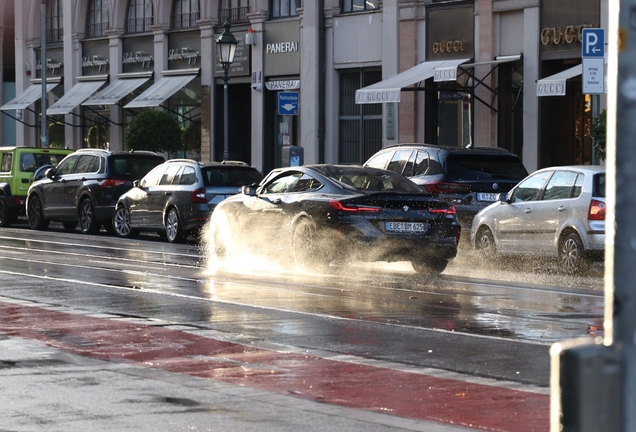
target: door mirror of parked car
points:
(136, 183)
(503, 198)
(249, 190)
(50, 173)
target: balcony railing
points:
(235, 15)
(185, 20)
(137, 25)
(96, 29)
(54, 35)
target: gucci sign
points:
(450, 46)
(563, 35)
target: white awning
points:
(115, 91)
(75, 96)
(27, 97)
(554, 85)
(388, 90)
(160, 91)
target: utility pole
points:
(43, 124)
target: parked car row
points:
(407, 202)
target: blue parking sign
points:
(288, 103)
(593, 42)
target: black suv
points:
(84, 188)
(469, 178)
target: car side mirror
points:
(136, 183)
(50, 173)
(249, 190)
(502, 198)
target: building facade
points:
(334, 79)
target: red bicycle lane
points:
(361, 386)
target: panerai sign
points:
(281, 47)
(138, 57)
(184, 54)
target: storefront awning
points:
(160, 91)
(75, 96)
(388, 90)
(554, 85)
(27, 97)
(115, 91)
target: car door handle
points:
(528, 211)
(276, 201)
(167, 193)
(561, 209)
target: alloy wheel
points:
(121, 222)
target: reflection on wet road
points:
(490, 302)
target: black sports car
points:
(316, 215)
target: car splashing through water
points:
(314, 218)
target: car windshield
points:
(599, 185)
(369, 180)
(485, 167)
(132, 167)
(230, 176)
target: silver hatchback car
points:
(555, 212)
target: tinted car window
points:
(7, 158)
(188, 176)
(598, 187)
(560, 185)
(399, 160)
(421, 163)
(67, 165)
(29, 162)
(380, 160)
(169, 174)
(480, 167)
(152, 178)
(284, 183)
(132, 167)
(86, 164)
(230, 176)
(528, 190)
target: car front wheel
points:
(36, 218)
(428, 267)
(121, 223)
(306, 249)
(174, 232)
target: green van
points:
(17, 165)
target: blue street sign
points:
(288, 103)
(593, 42)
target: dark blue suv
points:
(84, 188)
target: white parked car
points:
(554, 212)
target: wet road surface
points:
(484, 323)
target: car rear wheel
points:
(87, 222)
(485, 243)
(121, 223)
(36, 218)
(306, 249)
(6, 215)
(174, 231)
(69, 225)
(571, 255)
(432, 266)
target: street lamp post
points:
(226, 45)
(43, 123)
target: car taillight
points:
(597, 210)
(352, 208)
(446, 188)
(111, 183)
(198, 196)
(447, 211)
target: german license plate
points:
(406, 227)
(487, 196)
